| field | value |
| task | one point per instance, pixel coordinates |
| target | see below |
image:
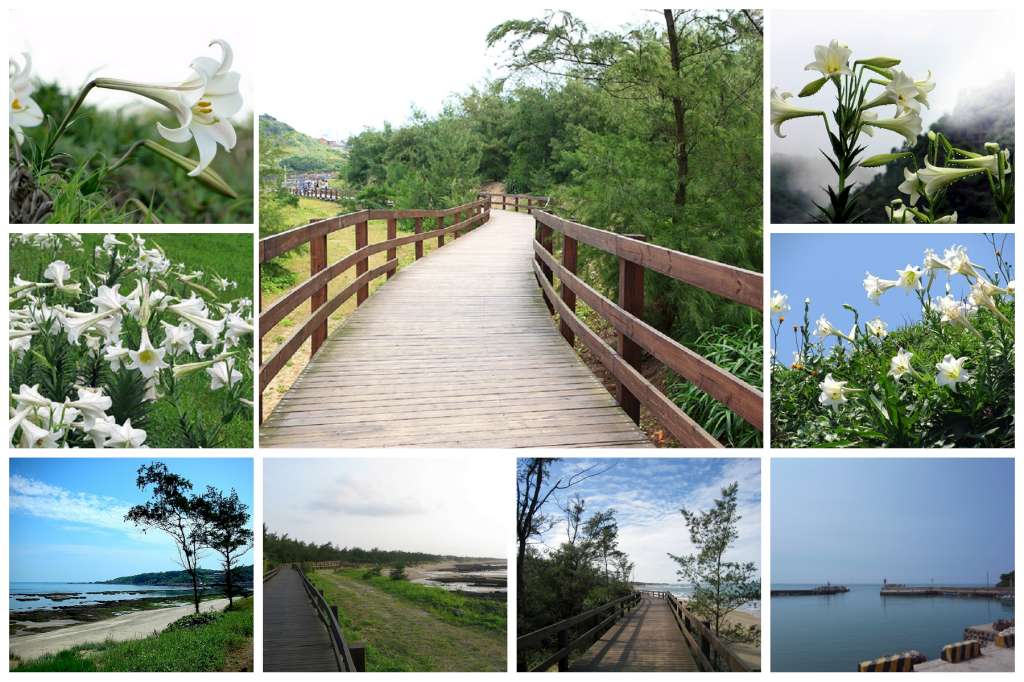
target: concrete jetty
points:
(813, 591)
(937, 591)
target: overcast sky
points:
(75, 46)
(441, 506)
(318, 77)
(964, 50)
(647, 495)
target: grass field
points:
(411, 627)
(206, 648)
(227, 255)
(339, 244)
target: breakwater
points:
(811, 591)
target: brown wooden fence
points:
(351, 659)
(598, 619)
(707, 649)
(314, 289)
(516, 202)
(635, 256)
(325, 194)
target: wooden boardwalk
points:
(456, 350)
(295, 639)
(647, 639)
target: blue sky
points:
(67, 516)
(904, 520)
(427, 504)
(830, 269)
(647, 495)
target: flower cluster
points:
(864, 88)
(950, 371)
(92, 346)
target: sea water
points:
(836, 632)
(29, 596)
(684, 591)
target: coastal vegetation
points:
(944, 380)
(206, 576)
(624, 130)
(213, 642)
(123, 341)
(282, 549)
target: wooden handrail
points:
(271, 573)
(708, 650)
(346, 662)
(314, 289)
(501, 199)
(634, 334)
(534, 640)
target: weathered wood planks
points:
(456, 350)
(646, 639)
(295, 639)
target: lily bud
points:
(883, 159)
(813, 87)
(207, 176)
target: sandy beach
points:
(750, 653)
(129, 626)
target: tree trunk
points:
(194, 571)
(227, 582)
(678, 113)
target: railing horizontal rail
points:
(710, 653)
(515, 201)
(537, 638)
(635, 256)
(314, 289)
(324, 194)
(271, 573)
(342, 651)
(728, 281)
(731, 391)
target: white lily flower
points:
(33, 436)
(909, 278)
(57, 272)
(192, 305)
(902, 91)
(824, 328)
(899, 214)
(20, 344)
(951, 372)
(29, 396)
(947, 219)
(907, 124)
(76, 323)
(1011, 287)
(203, 348)
(111, 242)
(116, 355)
(237, 328)
(92, 404)
(958, 261)
(207, 121)
(924, 87)
(211, 328)
(223, 374)
(24, 111)
(911, 186)
(124, 436)
(900, 365)
(782, 111)
(878, 328)
(933, 263)
(989, 162)
(177, 339)
(779, 303)
(833, 393)
(955, 312)
(108, 298)
(147, 359)
(876, 286)
(831, 60)
(936, 178)
(982, 295)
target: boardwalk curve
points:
(295, 639)
(646, 639)
(456, 350)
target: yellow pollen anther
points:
(16, 104)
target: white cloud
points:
(33, 497)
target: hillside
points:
(302, 153)
(177, 577)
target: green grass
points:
(199, 649)
(293, 268)
(409, 627)
(227, 255)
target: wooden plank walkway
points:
(647, 639)
(295, 639)
(456, 350)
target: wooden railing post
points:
(392, 253)
(440, 237)
(569, 250)
(362, 239)
(317, 262)
(517, 203)
(418, 228)
(544, 234)
(563, 642)
(358, 651)
(504, 202)
(631, 299)
(456, 219)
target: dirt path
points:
(401, 636)
(120, 628)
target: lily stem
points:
(67, 118)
